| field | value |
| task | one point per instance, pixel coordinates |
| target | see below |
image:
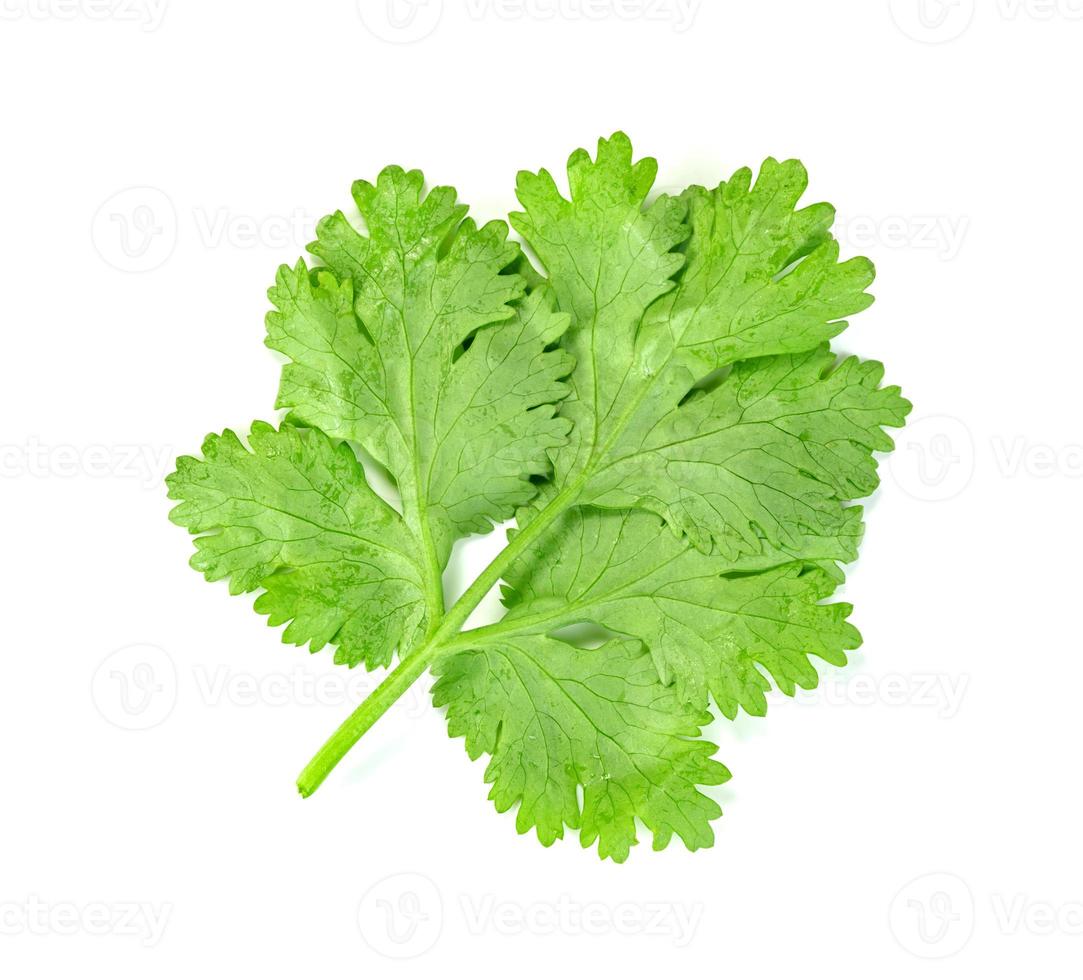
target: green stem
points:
(414, 664)
(363, 718)
(480, 635)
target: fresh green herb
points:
(661, 414)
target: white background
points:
(947, 136)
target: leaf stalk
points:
(421, 657)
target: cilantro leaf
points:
(657, 406)
(608, 258)
(555, 718)
(376, 345)
(295, 517)
(760, 276)
(759, 279)
(710, 623)
(766, 458)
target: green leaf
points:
(407, 343)
(608, 257)
(760, 277)
(767, 458)
(556, 718)
(709, 623)
(295, 516)
(657, 406)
